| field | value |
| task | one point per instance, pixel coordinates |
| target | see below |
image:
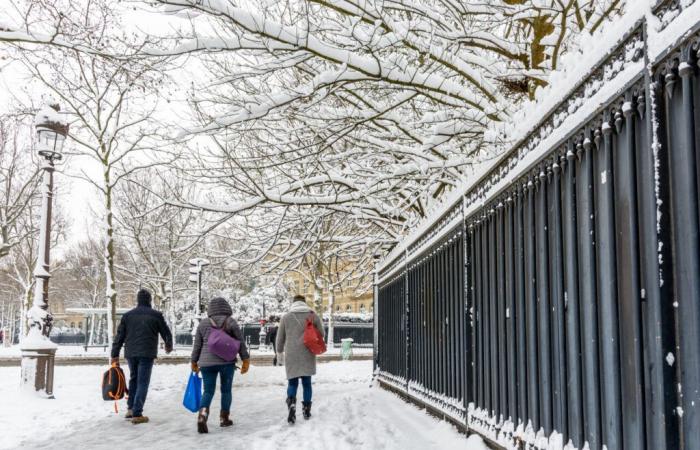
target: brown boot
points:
(224, 419)
(139, 419)
(202, 420)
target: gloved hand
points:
(114, 361)
(168, 349)
(246, 366)
(195, 367)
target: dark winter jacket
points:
(220, 312)
(272, 334)
(138, 331)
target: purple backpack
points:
(221, 343)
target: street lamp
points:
(196, 266)
(37, 349)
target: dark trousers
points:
(209, 374)
(293, 386)
(139, 378)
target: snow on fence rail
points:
(555, 299)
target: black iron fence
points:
(557, 298)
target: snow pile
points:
(453, 407)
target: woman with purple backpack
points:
(218, 359)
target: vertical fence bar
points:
(559, 397)
(434, 368)
(587, 293)
(659, 375)
(486, 308)
(501, 308)
(531, 310)
(520, 314)
(479, 311)
(629, 296)
(511, 351)
(607, 290)
(471, 310)
(573, 344)
(686, 245)
(493, 315)
(543, 315)
(465, 264)
(407, 326)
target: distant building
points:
(345, 298)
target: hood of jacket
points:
(300, 307)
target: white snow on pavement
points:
(347, 414)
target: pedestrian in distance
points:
(211, 365)
(299, 362)
(138, 332)
(272, 335)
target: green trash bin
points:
(346, 348)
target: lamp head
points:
(52, 130)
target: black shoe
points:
(292, 407)
(202, 421)
(306, 410)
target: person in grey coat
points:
(211, 365)
(299, 362)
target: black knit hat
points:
(143, 297)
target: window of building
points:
(348, 308)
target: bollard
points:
(346, 348)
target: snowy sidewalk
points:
(347, 415)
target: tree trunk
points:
(26, 302)
(111, 293)
(318, 299)
(12, 324)
(91, 340)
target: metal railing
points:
(557, 298)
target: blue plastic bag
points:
(193, 393)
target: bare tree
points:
(111, 104)
(18, 179)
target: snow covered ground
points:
(348, 414)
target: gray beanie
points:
(219, 307)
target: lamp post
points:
(37, 349)
(196, 266)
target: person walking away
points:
(138, 332)
(211, 365)
(272, 335)
(299, 362)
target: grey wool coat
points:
(298, 360)
(220, 312)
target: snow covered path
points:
(347, 415)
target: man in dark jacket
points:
(138, 331)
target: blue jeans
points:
(139, 378)
(225, 371)
(293, 385)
